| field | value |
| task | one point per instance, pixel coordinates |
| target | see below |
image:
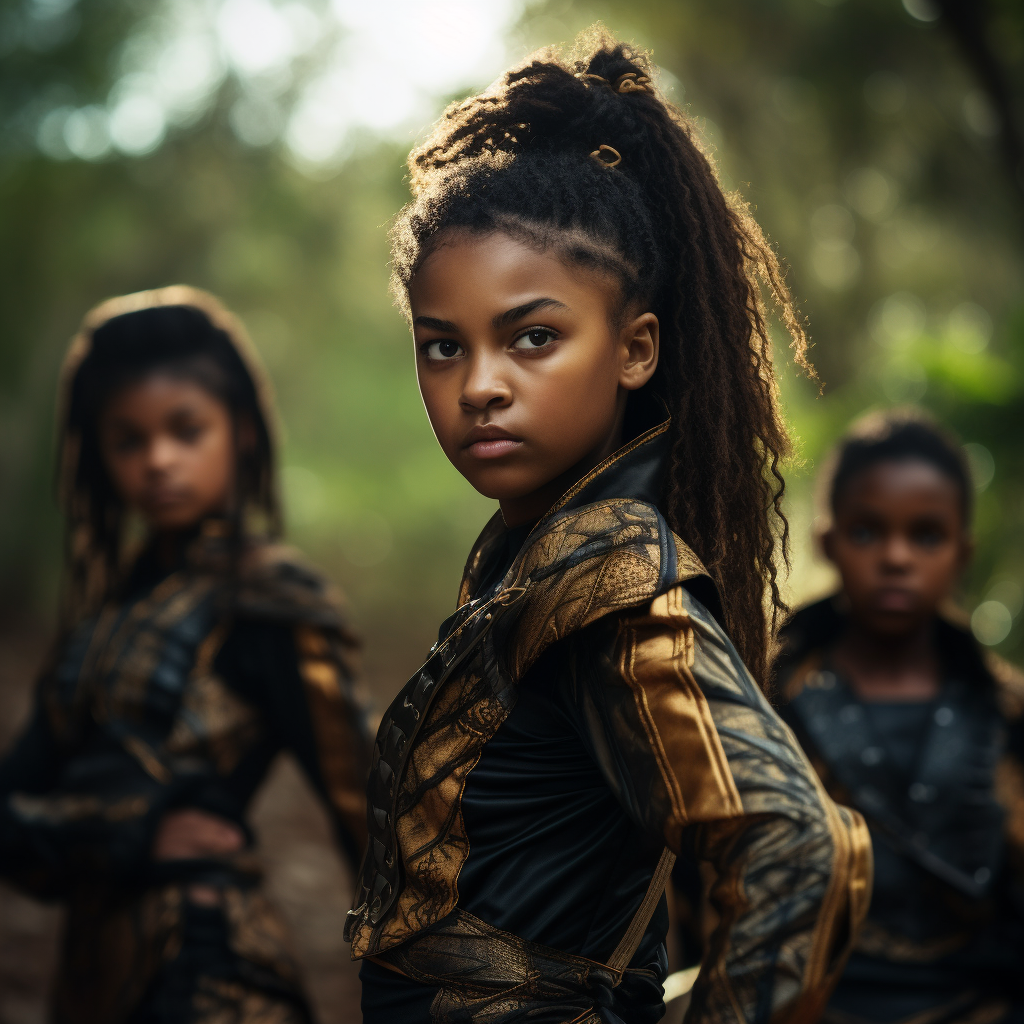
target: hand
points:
(188, 834)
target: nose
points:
(485, 385)
(898, 555)
(160, 455)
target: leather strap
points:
(629, 942)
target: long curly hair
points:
(526, 158)
(180, 330)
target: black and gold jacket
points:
(179, 693)
(944, 937)
(576, 718)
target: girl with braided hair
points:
(592, 352)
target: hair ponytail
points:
(646, 206)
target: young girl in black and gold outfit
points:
(591, 351)
(906, 718)
(177, 677)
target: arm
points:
(699, 758)
(339, 758)
(64, 819)
(33, 763)
(312, 705)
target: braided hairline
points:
(725, 488)
(573, 247)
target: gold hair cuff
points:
(632, 82)
(606, 156)
(629, 82)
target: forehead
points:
(489, 273)
(904, 486)
(157, 394)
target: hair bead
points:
(599, 155)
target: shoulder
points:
(599, 562)
(966, 655)
(277, 585)
(800, 642)
(1009, 685)
(678, 627)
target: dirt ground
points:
(305, 876)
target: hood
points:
(95, 525)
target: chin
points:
(173, 522)
(895, 624)
(501, 486)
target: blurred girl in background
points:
(905, 718)
(592, 352)
(186, 661)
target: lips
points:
(489, 441)
(165, 498)
(895, 599)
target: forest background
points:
(256, 148)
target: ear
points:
(966, 555)
(640, 348)
(245, 435)
(828, 544)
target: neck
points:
(531, 507)
(889, 666)
(167, 548)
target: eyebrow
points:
(502, 320)
(510, 316)
(436, 325)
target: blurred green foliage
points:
(854, 128)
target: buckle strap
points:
(629, 942)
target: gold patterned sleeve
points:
(703, 762)
(341, 758)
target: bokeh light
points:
(315, 78)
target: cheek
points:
(214, 461)
(127, 472)
(440, 395)
(943, 566)
(855, 564)
(580, 394)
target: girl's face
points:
(169, 447)
(900, 542)
(522, 369)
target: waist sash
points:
(487, 976)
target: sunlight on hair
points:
(317, 77)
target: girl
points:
(592, 353)
(905, 719)
(178, 676)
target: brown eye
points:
(189, 432)
(533, 339)
(863, 534)
(928, 536)
(126, 444)
(442, 350)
